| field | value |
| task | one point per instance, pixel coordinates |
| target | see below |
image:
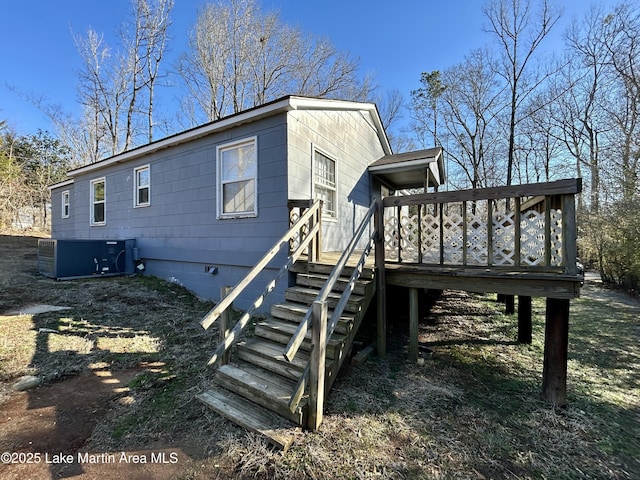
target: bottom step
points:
(278, 431)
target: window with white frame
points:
(237, 179)
(324, 183)
(142, 186)
(65, 204)
(98, 201)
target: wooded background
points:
(505, 113)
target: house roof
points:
(284, 104)
(410, 169)
(61, 184)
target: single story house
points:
(204, 205)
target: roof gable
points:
(410, 169)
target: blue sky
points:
(396, 41)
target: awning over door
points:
(418, 169)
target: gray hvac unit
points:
(66, 259)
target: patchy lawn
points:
(121, 366)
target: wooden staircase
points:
(255, 389)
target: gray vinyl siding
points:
(178, 233)
(62, 227)
(348, 137)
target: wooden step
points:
(308, 295)
(304, 267)
(318, 281)
(281, 332)
(268, 355)
(268, 389)
(295, 312)
(248, 415)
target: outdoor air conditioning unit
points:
(66, 259)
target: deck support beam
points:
(509, 304)
(381, 284)
(413, 324)
(556, 342)
(317, 361)
(225, 325)
(525, 326)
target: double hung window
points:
(142, 186)
(324, 183)
(65, 204)
(237, 179)
(98, 202)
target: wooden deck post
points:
(316, 373)
(381, 284)
(525, 327)
(509, 304)
(225, 324)
(556, 342)
(413, 324)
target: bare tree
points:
(390, 107)
(580, 110)
(101, 91)
(541, 141)
(113, 84)
(621, 40)
(519, 31)
(156, 23)
(469, 100)
(240, 57)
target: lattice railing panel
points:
(556, 237)
(294, 216)
(497, 230)
(452, 232)
(477, 239)
(390, 234)
(430, 239)
(503, 234)
(532, 238)
(409, 238)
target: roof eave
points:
(64, 183)
(192, 134)
(282, 105)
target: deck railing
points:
(324, 326)
(519, 227)
(304, 233)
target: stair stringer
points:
(268, 424)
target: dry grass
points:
(473, 410)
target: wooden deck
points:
(514, 241)
(479, 280)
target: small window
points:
(324, 183)
(142, 186)
(98, 202)
(65, 204)
(237, 179)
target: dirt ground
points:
(58, 419)
(50, 431)
(119, 377)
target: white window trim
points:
(220, 204)
(92, 202)
(322, 151)
(136, 187)
(65, 202)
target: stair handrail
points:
(344, 298)
(225, 303)
(298, 336)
